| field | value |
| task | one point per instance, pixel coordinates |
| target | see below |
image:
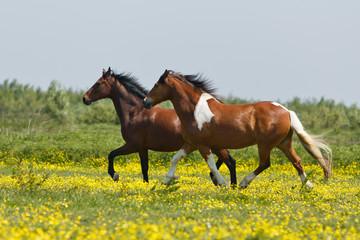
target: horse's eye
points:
(98, 83)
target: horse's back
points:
(242, 125)
(251, 113)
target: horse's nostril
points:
(147, 103)
(86, 101)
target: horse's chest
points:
(130, 132)
(203, 113)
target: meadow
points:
(54, 182)
(56, 186)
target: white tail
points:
(313, 145)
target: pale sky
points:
(263, 50)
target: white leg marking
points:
(211, 163)
(202, 111)
(247, 180)
(174, 161)
(308, 183)
(302, 177)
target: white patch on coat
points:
(202, 111)
(279, 105)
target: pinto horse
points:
(209, 124)
(141, 129)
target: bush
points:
(26, 108)
(320, 114)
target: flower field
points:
(64, 199)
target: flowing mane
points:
(131, 84)
(197, 81)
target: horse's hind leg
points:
(224, 156)
(219, 162)
(123, 150)
(264, 156)
(286, 147)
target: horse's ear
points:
(166, 73)
(104, 71)
(108, 72)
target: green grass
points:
(55, 185)
(55, 200)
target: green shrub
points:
(24, 108)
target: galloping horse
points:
(209, 124)
(141, 129)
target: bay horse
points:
(141, 129)
(209, 124)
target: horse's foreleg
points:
(224, 156)
(123, 150)
(174, 161)
(218, 165)
(185, 150)
(144, 157)
(207, 155)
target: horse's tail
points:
(314, 145)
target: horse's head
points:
(160, 92)
(101, 89)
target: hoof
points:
(168, 180)
(116, 177)
(224, 185)
(309, 184)
(243, 185)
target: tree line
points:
(26, 107)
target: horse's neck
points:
(126, 105)
(184, 104)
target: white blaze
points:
(202, 111)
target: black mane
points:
(131, 84)
(197, 81)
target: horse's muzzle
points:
(147, 103)
(86, 101)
